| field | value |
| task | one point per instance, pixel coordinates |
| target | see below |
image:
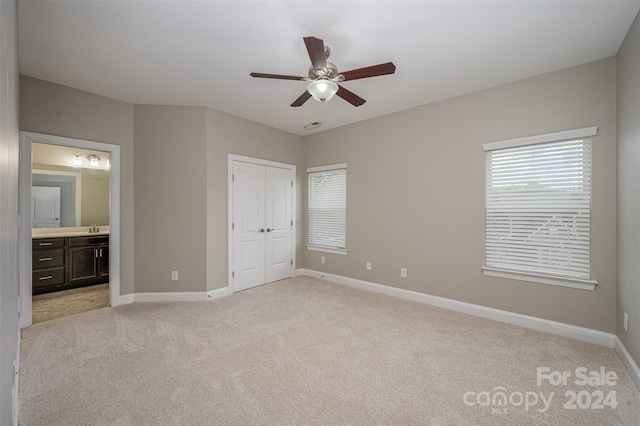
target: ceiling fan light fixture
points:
(322, 90)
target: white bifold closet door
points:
(262, 224)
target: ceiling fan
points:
(324, 76)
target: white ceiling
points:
(201, 53)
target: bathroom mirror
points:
(68, 189)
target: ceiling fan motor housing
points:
(329, 73)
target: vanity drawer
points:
(47, 243)
(47, 277)
(46, 259)
(88, 241)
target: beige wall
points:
(416, 186)
(228, 134)
(63, 111)
(9, 205)
(181, 191)
(416, 192)
(180, 177)
(95, 198)
(171, 198)
(629, 189)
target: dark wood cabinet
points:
(103, 262)
(88, 260)
(63, 263)
(82, 264)
(48, 264)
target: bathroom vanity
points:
(69, 258)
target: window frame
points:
(532, 276)
(316, 247)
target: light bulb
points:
(322, 90)
(94, 160)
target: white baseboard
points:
(193, 296)
(218, 293)
(126, 299)
(574, 332)
(15, 396)
(628, 362)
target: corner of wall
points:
(628, 190)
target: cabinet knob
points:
(261, 229)
(269, 229)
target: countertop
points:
(82, 231)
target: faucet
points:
(94, 228)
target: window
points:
(538, 208)
(328, 208)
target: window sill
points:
(327, 250)
(539, 278)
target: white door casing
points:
(262, 239)
(45, 206)
(24, 201)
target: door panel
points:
(250, 252)
(45, 206)
(82, 263)
(280, 253)
(248, 219)
(278, 218)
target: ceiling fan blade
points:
(302, 99)
(349, 96)
(315, 47)
(372, 71)
(278, 76)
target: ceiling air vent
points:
(312, 126)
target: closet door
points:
(248, 225)
(279, 259)
(262, 226)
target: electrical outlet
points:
(174, 275)
(403, 272)
(368, 266)
(625, 322)
(322, 259)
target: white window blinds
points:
(538, 208)
(327, 216)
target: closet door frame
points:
(230, 160)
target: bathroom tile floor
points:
(59, 304)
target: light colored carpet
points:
(63, 303)
(302, 351)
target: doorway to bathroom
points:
(69, 236)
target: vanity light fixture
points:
(94, 160)
(77, 161)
